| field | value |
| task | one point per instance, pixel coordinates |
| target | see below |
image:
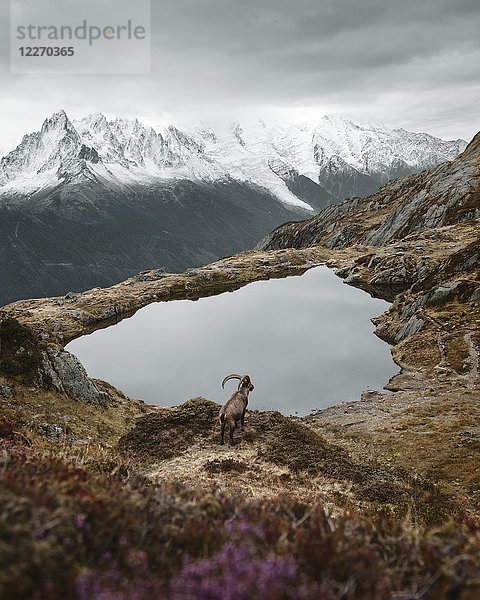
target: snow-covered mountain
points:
(304, 166)
(89, 202)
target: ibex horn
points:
(230, 377)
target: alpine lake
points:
(306, 341)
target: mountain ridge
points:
(445, 195)
(90, 202)
(266, 155)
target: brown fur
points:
(234, 409)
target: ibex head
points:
(244, 382)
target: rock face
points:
(27, 359)
(446, 195)
(64, 372)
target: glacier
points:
(305, 166)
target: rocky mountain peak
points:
(96, 121)
(58, 120)
(42, 151)
(473, 148)
(443, 196)
(322, 162)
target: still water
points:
(307, 343)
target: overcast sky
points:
(409, 63)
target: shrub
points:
(69, 531)
(239, 573)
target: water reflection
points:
(307, 343)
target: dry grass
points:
(260, 479)
(434, 436)
(41, 410)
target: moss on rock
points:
(301, 449)
(168, 432)
(20, 350)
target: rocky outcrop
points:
(89, 154)
(5, 390)
(26, 358)
(446, 195)
(65, 373)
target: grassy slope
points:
(85, 522)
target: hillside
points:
(372, 499)
(447, 195)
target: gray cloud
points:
(412, 64)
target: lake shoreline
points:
(372, 432)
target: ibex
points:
(234, 408)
